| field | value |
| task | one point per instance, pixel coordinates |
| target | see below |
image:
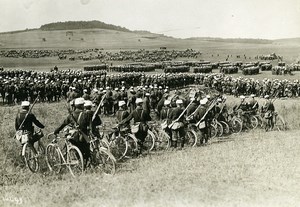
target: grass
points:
(250, 169)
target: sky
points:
(266, 19)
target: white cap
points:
(202, 102)
(79, 101)
(88, 103)
(267, 96)
(167, 102)
(25, 103)
(242, 97)
(179, 101)
(121, 103)
(139, 100)
(219, 100)
(208, 96)
(84, 90)
(116, 89)
(95, 90)
(205, 100)
(252, 95)
(147, 94)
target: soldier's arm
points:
(65, 123)
(126, 120)
(36, 122)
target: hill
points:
(73, 25)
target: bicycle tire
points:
(213, 131)
(118, 147)
(75, 161)
(53, 158)
(132, 146)
(191, 138)
(219, 129)
(225, 126)
(253, 122)
(236, 126)
(162, 141)
(149, 141)
(30, 158)
(106, 162)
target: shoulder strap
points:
(79, 117)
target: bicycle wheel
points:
(53, 158)
(279, 123)
(118, 147)
(219, 129)
(162, 141)
(30, 158)
(236, 126)
(213, 131)
(149, 141)
(74, 161)
(132, 146)
(191, 138)
(41, 148)
(105, 161)
(225, 126)
(260, 121)
(253, 122)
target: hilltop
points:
(74, 25)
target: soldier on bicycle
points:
(80, 120)
(140, 118)
(24, 121)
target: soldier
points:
(201, 117)
(253, 104)
(80, 120)
(95, 120)
(177, 125)
(24, 121)
(268, 109)
(85, 95)
(164, 117)
(140, 118)
(122, 113)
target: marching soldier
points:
(177, 125)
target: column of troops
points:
(16, 86)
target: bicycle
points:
(30, 157)
(70, 156)
(235, 124)
(162, 139)
(101, 158)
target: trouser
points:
(84, 148)
(204, 135)
(141, 136)
(178, 136)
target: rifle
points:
(30, 109)
(208, 110)
(182, 113)
(98, 107)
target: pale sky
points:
(270, 19)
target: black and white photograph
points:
(151, 103)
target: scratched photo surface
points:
(81, 65)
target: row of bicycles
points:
(118, 144)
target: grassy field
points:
(249, 169)
(110, 40)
